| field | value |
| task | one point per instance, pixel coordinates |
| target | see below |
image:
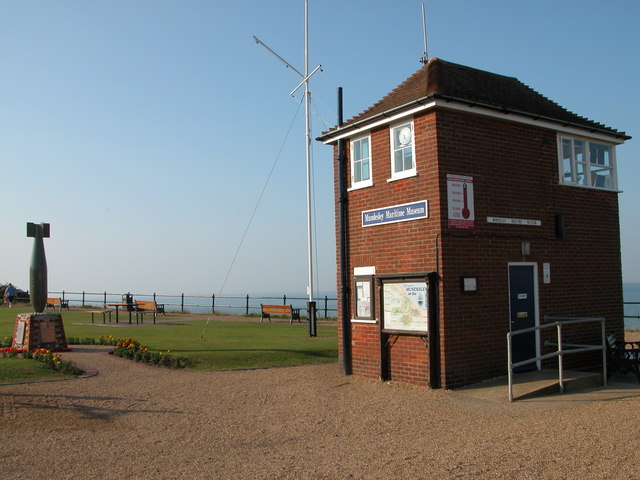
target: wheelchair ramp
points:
(537, 383)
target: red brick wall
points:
(515, 175)
(393, 248)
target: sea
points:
(326, 302)
(631, 297)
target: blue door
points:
(522, 304)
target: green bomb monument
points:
(39, 329)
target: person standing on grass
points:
(9, 294)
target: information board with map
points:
(406, 306)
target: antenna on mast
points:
(425, 55)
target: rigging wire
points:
(255, 209)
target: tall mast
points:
(308, 150)
(311, 307)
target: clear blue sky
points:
(143, 131)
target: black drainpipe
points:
(344, 274)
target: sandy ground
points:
(137, 421)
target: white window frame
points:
(589, 168)
(409, 172)
(366, 182)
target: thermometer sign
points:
(460, 201)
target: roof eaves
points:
(339, 131)
(374, 118)
(565, 123)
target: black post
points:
(182, 303)
(213, 303)
(83, 298)
(311, 314)
(247, 306)
(344, 274)
(434, 330)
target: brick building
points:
(473, 205)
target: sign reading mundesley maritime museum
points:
(395, 213)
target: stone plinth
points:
(39, 330)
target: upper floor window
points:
(361, 163)
(403, 162)
(587, 163)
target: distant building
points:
(475, 205)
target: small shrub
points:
(131, 349)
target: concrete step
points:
(546, 382)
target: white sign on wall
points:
(395, 213)
(514, 221)
(460, 201)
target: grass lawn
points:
(19, 370)
(228, 344)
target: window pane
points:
(579, 151)
(567, 164)
(601, 177)
(365, 170)
(599, 154)
(357, 171)
(581, 177)
(357, 151)
(396, 139)
(408, 160)
(398, 161)
(365, 148)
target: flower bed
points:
(133, 350)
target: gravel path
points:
(137, 421)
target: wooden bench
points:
(100, 312)
(623, 357)
(57, 302)
(143, 307)
(267, 310)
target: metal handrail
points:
(558, 322)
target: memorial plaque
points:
(20, 327)
(47, 332)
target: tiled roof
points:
(439, 79)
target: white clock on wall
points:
(404, 136)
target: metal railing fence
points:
(637, 317)
(185, 303)
(558, 324)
